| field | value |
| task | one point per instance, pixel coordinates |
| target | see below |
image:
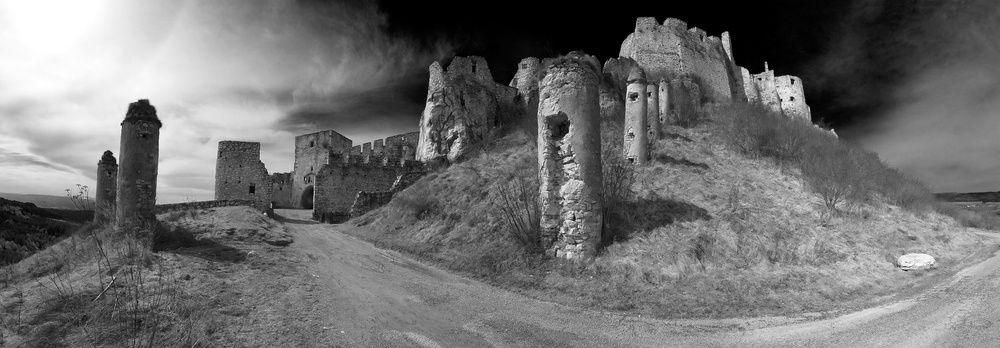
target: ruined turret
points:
(664, 102)
(569, 155)
(526, 82)
(107, 186)
(140, 151)
(792, 98)
(463, 105)
(636, 134)
(653, 111)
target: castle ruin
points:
(569, 156)
(781, 94)
(653, 111)
(106, 189)
(140, 148)
(240, 175)
(464, 104)
(636, 143)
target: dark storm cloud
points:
(926, 77)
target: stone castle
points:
(665, 74)
(329, 173)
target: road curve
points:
(377, 298)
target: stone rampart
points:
(338, 184)
(166, 208)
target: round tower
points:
(569, 156)
(664, 102)
(636, 135)
(107, 185)
(140, 149)
(653, 111)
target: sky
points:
(916, 81)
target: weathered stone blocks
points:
(569, 152)
(240, 175)
(140, 150)
(107, 186)
(463, 105)
(653, 111)
(636, 142)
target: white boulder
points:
(915, 261)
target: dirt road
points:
(362, 296)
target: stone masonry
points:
(137, 170)
(664, 102)
(672, 50)
(240, 175)
(653, 111)
(781, 94)
(636, 143)
(339, 182)
(312, 151)
(464, 104)
(569, 155)
(107, 186)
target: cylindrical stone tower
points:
(569, 156)
(653, 111)
(636, 135)
(107, 185)
(139, 155)
(664, 103)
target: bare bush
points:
(517, 201)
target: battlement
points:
(370, 162)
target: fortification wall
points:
(281, 190)
(402, 146)
(792, 97)
(166, 208)
(312, 151)
(463, 105)
(526, 83)
(337, 186)
(749, 87)
(240, 175)
(767, 90)
(672, 50)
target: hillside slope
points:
(709, 232)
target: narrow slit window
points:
(253, 189)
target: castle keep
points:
(240, 175)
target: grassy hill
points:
(43, 201)
(743, 213)
(25, 229)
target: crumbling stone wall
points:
(367, 201)
(526, 82)
(653, 111)
(636, 143)
(663, 89)
(750, 87)
(672, 50)
(240, 175)
(312, 152)
(569, 156)
(463, 105)
(792, 97)
(281, 190)
(107, 184)
(166, 208)
(685, 96)
(338, 183)
(781, 94)
(140, 152)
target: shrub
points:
(839, 171)
(517, 201)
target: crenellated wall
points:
(338, 183)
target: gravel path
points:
(362, 296)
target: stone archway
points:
(306, 201)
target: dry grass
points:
(710, 231)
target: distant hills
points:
(993, 196)
(42, 201)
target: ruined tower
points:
(240, 175)
(791, 97)
(636, 134)
(569, 156)
(107, 182)
(653, 111)
(664, 102)
(526, 82)
(140, 150)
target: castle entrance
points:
(307, 198)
